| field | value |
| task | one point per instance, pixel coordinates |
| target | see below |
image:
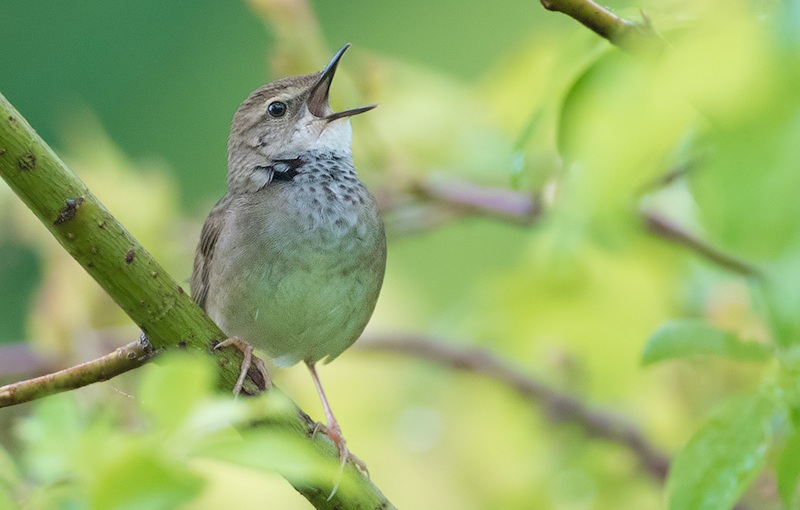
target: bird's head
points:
(288, 118)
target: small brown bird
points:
(291, 259)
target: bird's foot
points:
(345, 455)
(247, 362)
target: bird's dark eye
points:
(276, 109)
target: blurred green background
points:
(163, 79)
(137, 98)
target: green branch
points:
(620, 32)
(127, 357)
(141, 287)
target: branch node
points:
(27, 162)
(69, 211)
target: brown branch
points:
(560, 407)
(666, 179)
(127, 357)
(620, 32)
(671, 232)
(508, 205)
(419, 220)
(426, 205)
(523, 209)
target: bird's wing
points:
(204, 256)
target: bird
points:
(291, 259)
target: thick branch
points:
(603, 22)
(560, 407)
(141, 287)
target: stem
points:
(522, 209)
(141, 287)
(603, 22)
(671, 232)
(127, 357)
(508, 205)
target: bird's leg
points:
(247, 362)
(332, 429)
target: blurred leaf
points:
(5, 498)
(788, 23)
(9, 474)
(173, 389)
(746, 191)
(619, 294)
(694, 337)
(271, 452)
(141, 478)
(788, 471)
(9, 478)
(718, 63)
(574, 104)
(617, 132)
(52, 433)
(745, 186)
(779, 296)
(712, 471)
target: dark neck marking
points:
(283, 169)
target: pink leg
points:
(333, 430)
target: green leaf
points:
(275, 452)
(693, 337)
(9, 474)
(52, 434)
(746, 191)
(140, 478)
(718, 463)
(779, 297)
(5, 498)
(788, 471)
(174, 389)
(9, 478)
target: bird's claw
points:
(247, 362)
(345, 455)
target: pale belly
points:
(298, 298)
(296, 316)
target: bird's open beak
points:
(318, 103)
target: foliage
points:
(78, 459)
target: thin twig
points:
(560, 407)
(426, 205)
(126, 358)
(666, 179)
(508, 205)
(412, 220)
(523, 209)
(672, 232)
